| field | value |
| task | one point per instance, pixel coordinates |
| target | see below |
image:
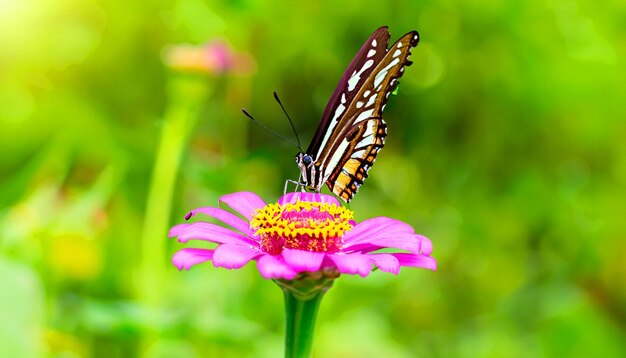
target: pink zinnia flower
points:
(215, 57)
(303, 232)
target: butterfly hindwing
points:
(366, 138)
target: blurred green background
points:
(505, 147)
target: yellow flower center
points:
(309, 226)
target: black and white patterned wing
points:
(350, 150)
(362, 65)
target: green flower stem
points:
(186, 95)
(302, 300)
(301, 314)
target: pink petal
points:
(376, 227)
(234, 256)
(426, 246)
(386, 263)
(301, 260)
(245, 203)
(224, 216)
(185, 258)
(413, 260)
(352, 264)
(408, 242)
(272, 267)
(292, 198)
(209, 232)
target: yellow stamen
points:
(310, 226)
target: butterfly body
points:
(352, 129)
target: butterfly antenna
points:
(269, 130)
(290, 121)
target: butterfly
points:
(352, 130)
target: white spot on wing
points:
(339, 111)
(368, 139)
(371, 53)
(399, 44)
(333, 123)
(371, 100)
(379, 78)
(397, 53)
(343, 98)
(359, 104)
(364, 115)
(383, 73)
(334, 160)
(356, 77)
(367, 93)
(374, 43)
(359, 153)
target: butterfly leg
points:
(297, 183)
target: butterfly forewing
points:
(362, 65)
(360, 133)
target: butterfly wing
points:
(363, 142)
(371, 53)
(355, 135)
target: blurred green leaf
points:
(21, 309)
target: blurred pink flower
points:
(214, 57)
(303, 232)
